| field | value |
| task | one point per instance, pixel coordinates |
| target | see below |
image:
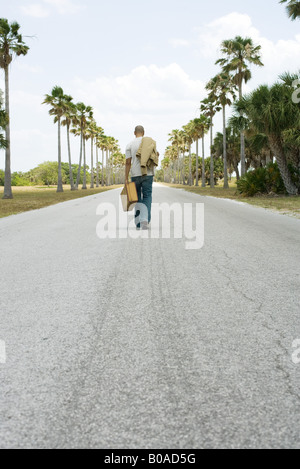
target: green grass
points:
(283, 204)
(32, 198)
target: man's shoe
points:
(144, 225)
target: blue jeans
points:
(144, 190)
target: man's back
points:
(131, 151)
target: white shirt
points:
(131, 151)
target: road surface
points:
(140, 343)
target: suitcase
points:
(129, 197)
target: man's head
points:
(139, 131)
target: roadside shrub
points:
(262, 180)
(20, 179)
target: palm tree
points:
(203, 124)
(272, 112)
(177, 140)
(91, 133)
(293, 8)
(233, 137)
(11, 44)
(85, 113)
(69, 116)
(102, 142)
(209, 107)
(224, 89)
(197, 133)
(238, 53)
(57, 101)
(171, 154)
(165, 164)
(189, 139)
(111, 147)
(99, 135)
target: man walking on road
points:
(141, 158)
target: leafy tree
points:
(20, 179)
(238, 53)
(46, 173)
(11, 44)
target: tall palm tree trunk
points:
(276, 146)
(97, 167)
(174, 172)
(106, 169)
(80, 161)
(7, 180)
(203, 164)
(59, 181)
(197, 162)
(190, 165)
(226, 185)
(110, 169)
(92, 163)
(70, 159)
(178, 166)
(243, 159)
(84, 166)
(212, 178)
(102, 175)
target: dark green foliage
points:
(264, 180)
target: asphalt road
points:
(140, 343)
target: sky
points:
(135, 62)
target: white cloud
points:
(146, 89)
(36, 10)
(276, 56)
(65, 6)
(161, 98)
(226, 27)
(179, 42)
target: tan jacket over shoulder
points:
(147, 154)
